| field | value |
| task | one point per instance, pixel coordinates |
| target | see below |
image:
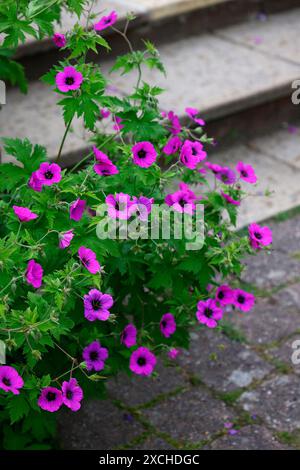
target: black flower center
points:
(258, 235)
(141, 361)
(51, 396)
(69, 394)
(48, 175)
(224, 178)
(6, 381)
(244, 173)
(208, 312)
(241, 299)
(221, 295)
(194, 151)
(69, 80)
(164, 323)
(142, 153)
(181, 202)
(96, 304)
(94, 355)
(85, 261)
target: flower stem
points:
(63, 140)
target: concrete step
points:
(158, 20)
(241, 86)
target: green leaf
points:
(17, 408)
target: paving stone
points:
(285, 351)
(271, 319)
(248, 438)
(286, 236)
(139, 390)
(99, 425)
(161, 8)
(277, 36)
(189, 417)
(289, 152)
(277, 402)
(154, 443)
(223, 364)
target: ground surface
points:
(244, 377)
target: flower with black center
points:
(142, 361)
(72, 394)
(97, 305)
(50, 399)
(49, 173)
(95, 356)
(10, 380)
(168, 325)
(144, 154)
(208, 313)
(69, 79)
(243, 300)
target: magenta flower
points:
(95, 356)
(246, 172)
(10, 380)
(144, 154)
(141, 207)
(68, 80)
(213, 167)
(142, 361)
(192, 113)
(65, 239)
(226, 175)
(118, 206)
(208, 313)
(24, 214)
(106, 21)
(192, 154)
(173, 353)
(35, 183)
(105, 167)
(174, 121)
(243, 300)
(167, 325)
(105, 113)
(49, 173)
(172, 146)
(259, 236)
(72, 394)
(34, 274)
(182, 200)
(97, 305)
(128, 336)
(224, 295)
(230, 199)
(118, 126)
(50, 399)
(59, 40)
(89, 260)
(77, 209)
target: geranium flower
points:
(182, 200)
(105, 113)
(172, 146)
(142, 361)
(192, 154)
(97, 305)
(213, 167)
(118, 206)
(34, 274)
(128, 336)
(24, 214)
(89, 260)
(77, 209)
(243, 300)
(246, 172)
(72, 394)
(59, 40)
(106, 21)
(224, 295)
(173, 353)
(50, 399)
(65, 239)
(259, 236)
(35, 183)
(141, 207)
(105, 167)
(167, 325)
(230, 199)
(118, 126)
(95, 356)
(10, 380)
(49, 173)
(192, 113)
(208, 313)
(174, 121)
(144, 154)
(226, 175)
(68, 80)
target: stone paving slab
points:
(98, 425)
(140, 390)
(248, 438)
(155, 443)
(277, 36)
(190, 418)
(284, 353)
(222, 364)
(276, 401)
